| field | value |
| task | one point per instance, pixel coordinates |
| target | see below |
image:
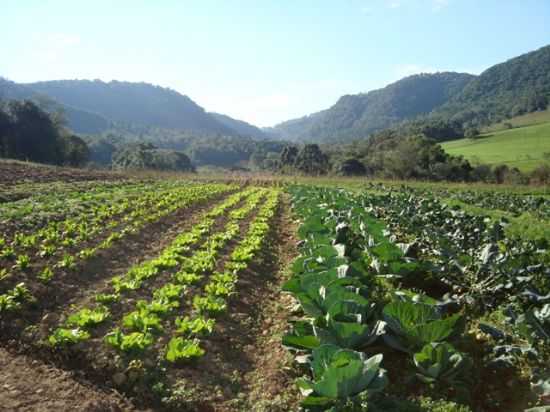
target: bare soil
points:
(16, 172)
(28, 384)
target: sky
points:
(264, 61)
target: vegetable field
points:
(187, 295)
(409, 304)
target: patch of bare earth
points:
(28, 384)
(15, 172)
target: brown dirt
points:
(15, 172)
(30, 385)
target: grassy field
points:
(529, 119)
(522, 147)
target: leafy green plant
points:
(135, 342)
(142, 320)
(180, 349)
(107, 298)
(67, 262)
(441, 362)
(196, 326)
(412, 325)
(64, 336)
(22, 262)
(45, 275)
(340, 375)
(13, 299)
(86, 318)
(209, 304)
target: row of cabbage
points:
(515, 203)
(351, 282)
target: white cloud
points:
(394, 4)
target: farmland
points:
(522, 147)
(270, 295)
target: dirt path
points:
(270, 382)
(31, 385)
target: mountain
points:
(241, 127)
(132, 103)
(356, 116)
(80, 121)
(517, 86)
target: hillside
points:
(80, 121)
(517, 86)
(132, 103)
(523, 147)
(356, 116)
(239, 126)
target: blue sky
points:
(264, 61)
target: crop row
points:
(136, 276)
(150, 322)
(514, 203)
(357, 316)
(150, 208)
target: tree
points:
(311, 160)
(351, 167)
(76, 151)
(471, 133)
(288, 155)
(34, 136)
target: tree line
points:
(389, 154)
(29, 133)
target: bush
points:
(351, 167)
(147, 156)
(541, 175)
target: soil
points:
(28, 384)
(15, 172)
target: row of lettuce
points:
(405, 295)
(196, 280)
(95, 222)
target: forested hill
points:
(239, 126)
(517, 86)
(133, 103)
(356, 116)
(81, 121)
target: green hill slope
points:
(356, 116)
(522, 147)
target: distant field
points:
(522, 147)
(529, 119)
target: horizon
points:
(227, 74)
